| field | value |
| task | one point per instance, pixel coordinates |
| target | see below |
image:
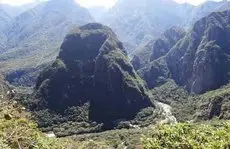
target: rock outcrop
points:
(155, 48)
(200, 60)
(162, 45)
(92, 67)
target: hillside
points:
(205, 9)
(152, 17)
(149, 19)
(154, 49)
(42, 28)
(155, 76)
(89, 80)
(198, 58)
(34, 38)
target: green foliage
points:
(73, 121)
(224, 91)
(183, 105)
(214, 104)
(19, 132)
(189, 136)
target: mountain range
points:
(151, 18)
(196, 59)
(145, 63)
(47, 23)
(35, 36)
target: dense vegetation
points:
(18, 131)
(92, 97)
(90, 80)
(189, 136)
(197, 59)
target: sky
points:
(92, 3)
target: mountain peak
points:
(88, 40)
(93, 67)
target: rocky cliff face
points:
(154, 49)
(162, 45)
(200, 60)
(92, 67)
(153, 67)
(205, 9)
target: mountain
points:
(14, 11)
(137, 21)
(148, 19)
(44, 16)
(7, 13)
(198, 59)
(154, 49)
(92, 73)
(5, 18)
(44, 27)
(34, 37)
(205, 9)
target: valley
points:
(108, 78)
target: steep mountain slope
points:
(205, 9)
(203, 55)
(200, 60)
(34, 37)
(4, 20)
(92, 72)
(7, 13)
(154, 49)
(136, 21)
(150, 18)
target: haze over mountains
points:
(195, 60)
(42, 28)
(37, 34)
(144, 62)
(150, 18)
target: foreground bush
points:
(189, 136)
(17, 131)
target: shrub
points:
(189, 136)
